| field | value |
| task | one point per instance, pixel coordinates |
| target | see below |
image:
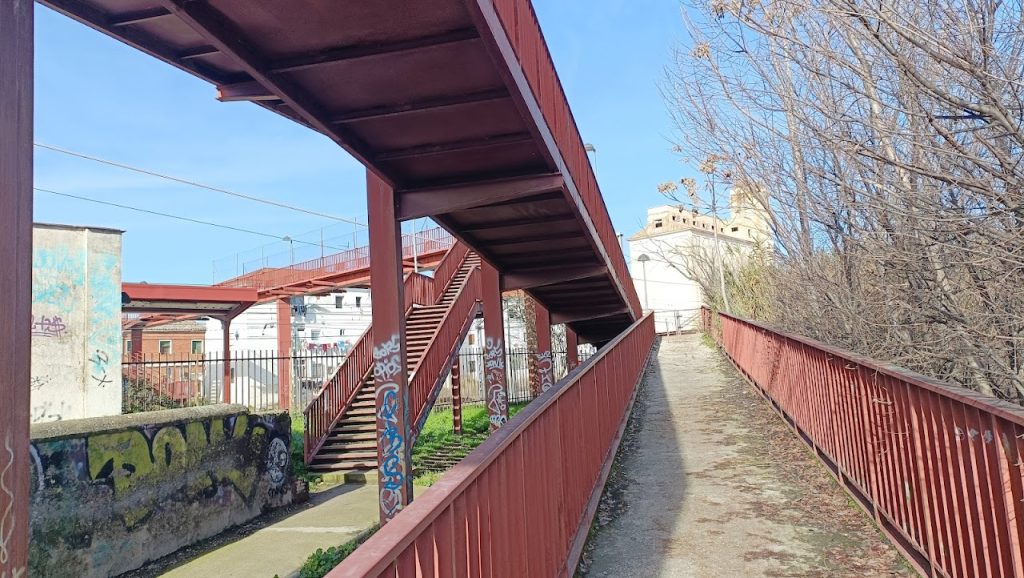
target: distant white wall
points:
(663, 283)
(76, 323)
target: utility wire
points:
(180, 218)
(198, 184)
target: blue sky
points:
(98, 96)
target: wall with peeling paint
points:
(110, 494)
(76, 322)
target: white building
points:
(328, 323)
(676, 243)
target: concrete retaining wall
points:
(110, 494)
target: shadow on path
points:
(711, 483)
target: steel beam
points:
(529, 279)
(454, 147)
(345, 53)
(390, 374)
(457, 396)
(591, 313)
(417, 203)
(431, 105)
(16, 42)
(244, 91)
(225, 323)
(226, 38)
(495, 380)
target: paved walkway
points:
(710, 483)
(330, 518)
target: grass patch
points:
(438, 434)
(323, 561)
(298, 459)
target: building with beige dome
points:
(676, 243)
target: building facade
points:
(677, 245)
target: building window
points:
(339, 301)
(341, 333)
(657, 224)
(359, 301)
(197, 347)
(316, 334)
(165, 346)
(128, 346)
(735, 229)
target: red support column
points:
(495, 380)
(15, 282)
(572, 353)
(225, 322)
(457, 397)
(136, 339)
(284, 354)
(545, 370)
(390, 372)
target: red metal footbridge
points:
(456, 111)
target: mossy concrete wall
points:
(110, 494)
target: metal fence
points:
(938, 467)
(155, 381)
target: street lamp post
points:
(643, 259)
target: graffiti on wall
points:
(387, 359)
(544, 370)
(43, 326)
(56, 289)
(100, 362)
(170, 483)
(494, 379)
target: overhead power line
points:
(198, 184)
(181, 218)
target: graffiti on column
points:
(100, 368)
(494, 373)
(544, 370)
(387, 359)
(7, 520)
(43, 326)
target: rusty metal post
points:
(542, 374)
(457, 396)
(225, 322)
(284, 352)
(495, 380)
(16, 38)
(390, 372)
(136, 340)
(572, 352)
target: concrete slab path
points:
(711, 483)
(333, 517)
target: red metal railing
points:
(430, 241)
(445, 272)
(337, 393)
(419, 290)
(327, 407)
(524, 33)
(938, 466)
(483, 518)
(428, 375)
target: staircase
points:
(349, 444)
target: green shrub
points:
(323, 561)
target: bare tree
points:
(887, 142)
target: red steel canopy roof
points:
(163, 303)
(455, 103)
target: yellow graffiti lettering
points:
(126, 454)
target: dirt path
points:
(710, 483)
